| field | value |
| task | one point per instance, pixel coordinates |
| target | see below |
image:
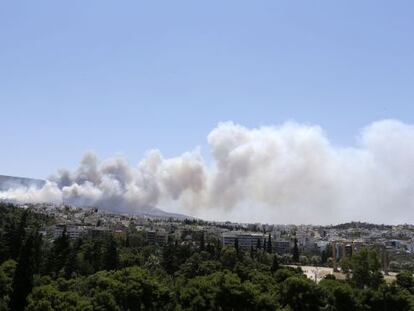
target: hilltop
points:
(11, 182)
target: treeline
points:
(360, 225)
(123, 272)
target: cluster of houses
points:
(339, 241)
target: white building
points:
(282, 247)
(73, 232)
(159, 237)
(245, 240)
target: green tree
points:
(7, 269)
(15, 235)
(23, 276)
(73, 263)
(91, 256)
(269, 244)
(300, 294)
(104, 301)
(127, 241)
(258, 244)
(134, 289)
(236, 245)
(228, 257)
(193, 266)
(202, 242)
(224, 291)
(366, 269)
(59, 253)
(386, 298)
(231, 294)
(275, 264)
(284, 273)
(405, 280)
(326, 253)
(111, 255)
(169, 261)
(339, 296)
(49, 298)
(295, 251)
(346, 266)
(198, 294)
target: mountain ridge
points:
(13, 182)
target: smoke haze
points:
(289, 173)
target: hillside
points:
(10, 182)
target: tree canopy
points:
(124, 272)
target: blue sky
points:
(127, 76)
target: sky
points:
(239, 98)
(123, 78)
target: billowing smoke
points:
(285, 174)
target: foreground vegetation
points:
(123, 272)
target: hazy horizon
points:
(290, 173)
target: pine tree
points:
(96, 255)
(275, 264)
(324, 255)
(111, 255)
(23, 276)
(210, 249)
(10, 240)
(37, 255)
(72, 264)
(202, 242)
(269, 244)
(168, 256)
(295, 251)
(59, 253)
(236, 245)
(15, 235)
(21, 231)
(259, 244)
(3, 248)
(218, 249)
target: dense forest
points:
(123, 272)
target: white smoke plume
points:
(285, 174)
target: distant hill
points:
(10, 182)
(360, 225)
(157, 212)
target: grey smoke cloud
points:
(289, 173)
